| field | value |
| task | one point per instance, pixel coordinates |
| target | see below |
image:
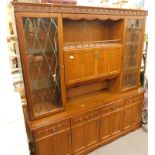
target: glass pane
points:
(41, 40)
(133, 40)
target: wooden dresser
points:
(81, 68)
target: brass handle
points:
(71, 57)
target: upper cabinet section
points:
(41, 61)
(92, 48)
(65, 47)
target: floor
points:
(135, 143)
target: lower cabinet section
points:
(86, 131)
(131, 116)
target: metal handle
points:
(71, 57)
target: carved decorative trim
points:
(96, 44)
(42, 7)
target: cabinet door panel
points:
(136, 113)
(105, 129)
(127, 119)
(115, 57)
(132, 52)
(117, 122)
(41, 57)
(50, 144)
(102, 61)
(92, 131)
(78, 137)
(79, 66)
(61, 144)
(44, 146)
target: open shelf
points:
(45, 107)
(92, 44)
(41, 84)
(91, 33)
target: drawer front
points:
(114, 106)
(92, 114)
(85, 117)
(134, 99)
(51, 129)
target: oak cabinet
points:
(81, 69)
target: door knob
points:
(71, 57)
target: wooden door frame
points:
(24, 59)
(139, 53)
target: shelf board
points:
(41, 84)
(37, 51)
(93, 44)
(45, 107)
(130, 69)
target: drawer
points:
(51, 129)
(78, 119)
(112, 107)
(92, 114)
(134, 99)
(85, 117)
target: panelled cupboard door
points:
(105, 129)
(127, 117)
(102, 61)
(117, 122)
(79, 66)
(92, 131)
(137, 113)
(57, 144)
(114, 60)
(78, 138)
(111, 124)
(85, 135)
